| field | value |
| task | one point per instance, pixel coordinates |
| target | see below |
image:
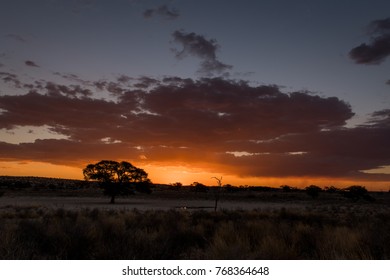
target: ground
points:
(65, 219)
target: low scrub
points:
(38, 233)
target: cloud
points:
(163, 11)
(380, 27)
(31, 63)
(212, 123)
(73, 78)
(124, 79)
(202, 48)
(11, 78)
(15, 37)
(70, 91)
(378, 49)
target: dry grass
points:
(332, 233)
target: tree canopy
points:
(117, 178)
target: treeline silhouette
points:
(82, 187)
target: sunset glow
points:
(274, 94)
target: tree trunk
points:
(216, 194)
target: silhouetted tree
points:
(199, 187)
(331, 189)
(177, 186)
(313, 191)
(217, 191)
(287, 188)
(357, 192)
(117, 178)
(230, 189)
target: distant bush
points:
(357, 192)
(176, 186)
(199, 187)
(287, 188)
(230, 189)
(313, 191)
(331, 189)
(1, 193)
(144, 187)
(262, 189)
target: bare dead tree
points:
(217, 192)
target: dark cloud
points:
(31, 63)
(124, 79)
(11, 78)
(212, 122)
(145, 82)
(380, 27)
(63, 151)
(380, 118)
(198, 46)
(100, 85)
(70, 91)
(73, 78)
(378, 49)
(163, 11)
(15, 37)
(82, 118)
(339, 152)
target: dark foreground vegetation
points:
(329, 233)
(326, 223)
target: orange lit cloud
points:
(214, 126)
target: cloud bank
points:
(213, 123)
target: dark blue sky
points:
(296, 44)
(293, 45)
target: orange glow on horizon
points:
(171, 174)
(39, 169)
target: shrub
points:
(199, 187)
(313, 191)
(331, 189)
(287, 188)
(357, 192)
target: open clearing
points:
(143, 203)
(73, 220)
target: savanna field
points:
(270, 224)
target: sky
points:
(256, 92)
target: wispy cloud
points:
(31, 63)
(15, 37)
(202, 48)
(11, 78)
(162, 11)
